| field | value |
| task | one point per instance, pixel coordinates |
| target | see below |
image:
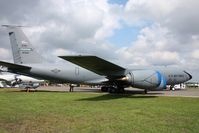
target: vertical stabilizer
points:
(22, 50)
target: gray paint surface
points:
(88, 69)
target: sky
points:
(126, 32)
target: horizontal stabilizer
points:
(96, 65)
(14, 67)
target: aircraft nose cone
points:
(190, 76)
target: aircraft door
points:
(132, 78)
(77, 71)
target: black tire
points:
(145, 91)
(104, 89)
(121, 90)
(171, 87)
(112, 90)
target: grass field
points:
(77, 112)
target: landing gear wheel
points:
(121, 90)
(104, 89)
(145, 91)
(112, 90)
(172, 88)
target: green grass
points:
(60, 112)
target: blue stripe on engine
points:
(159, 77)
(164, 82)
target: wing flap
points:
(96, 65)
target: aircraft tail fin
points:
(22, 50)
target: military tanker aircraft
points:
(87, 69)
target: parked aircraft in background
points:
(85, 69)
(16, 80)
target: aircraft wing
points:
(96, 65)
(14, 67)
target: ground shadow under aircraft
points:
(114, 96)
(97, 90)
(105, 96)
(126, 94)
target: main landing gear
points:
(172, 88)
(112, 89)
(145, 91)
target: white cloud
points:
(61, 51)
(169, 34)
(164, 57)
(80, 26)
(153, 10)
(169, 30)
(154, 46)
(195, 54)
(4, 53)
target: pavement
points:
(189, 92)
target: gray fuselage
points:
(71, 73)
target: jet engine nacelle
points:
(146, 79)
